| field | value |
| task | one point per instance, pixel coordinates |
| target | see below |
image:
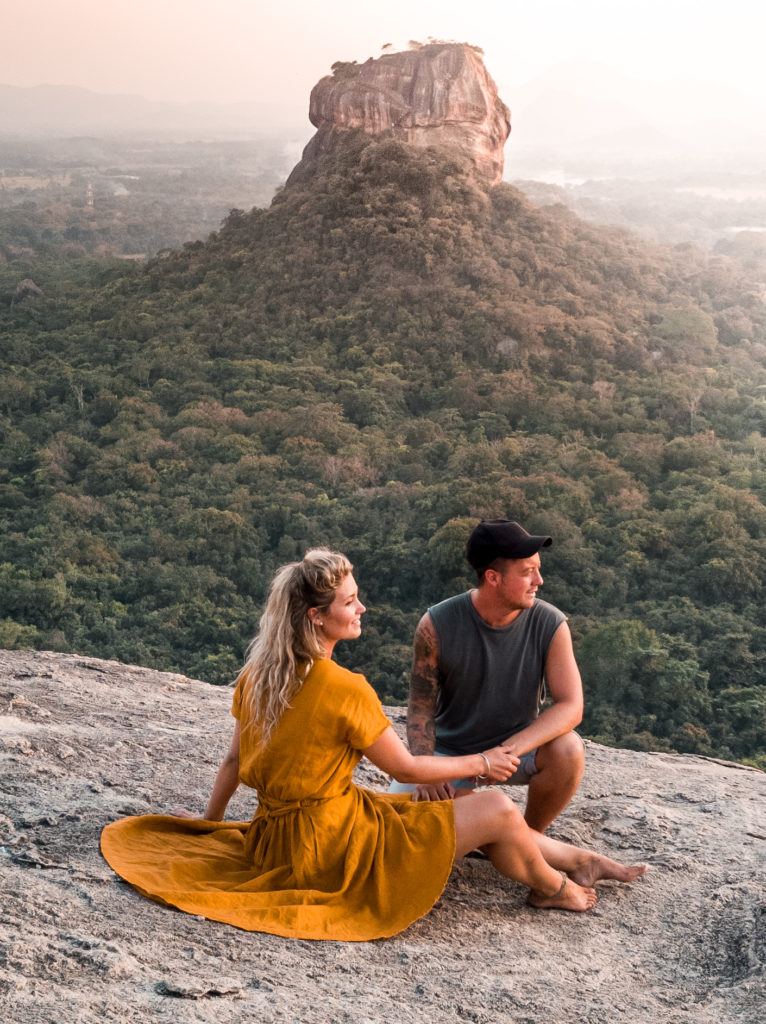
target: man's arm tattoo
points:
(424, 687)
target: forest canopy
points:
(385, 355)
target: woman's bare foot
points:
(570, 896)
(596, 868)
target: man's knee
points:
(565, 751)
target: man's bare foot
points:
(570, 896)
(596, 868)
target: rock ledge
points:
(83, 741)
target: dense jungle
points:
(387, 353)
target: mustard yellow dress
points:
(322, 858)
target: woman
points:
(323, 858)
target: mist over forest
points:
(85, 173)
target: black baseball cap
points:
(501, 538)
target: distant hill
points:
(62, 110)
(388, 352)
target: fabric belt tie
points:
(271, 811)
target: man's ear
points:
(491, 576)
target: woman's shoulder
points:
(326, 670)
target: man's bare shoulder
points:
(426, 642)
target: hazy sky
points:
(232, 50)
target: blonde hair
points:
(286, 645)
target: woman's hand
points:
(502, 764)
(434, 772)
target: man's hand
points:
(515, 746)
(441, 791)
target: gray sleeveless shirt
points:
(490, 680)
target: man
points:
(480, 664)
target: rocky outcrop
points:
(435, 95)
(26, 289)
(84, 741)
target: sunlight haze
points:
(239, 50)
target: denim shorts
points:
(527, 768)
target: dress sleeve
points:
(363, 716)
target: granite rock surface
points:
(84, 741)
